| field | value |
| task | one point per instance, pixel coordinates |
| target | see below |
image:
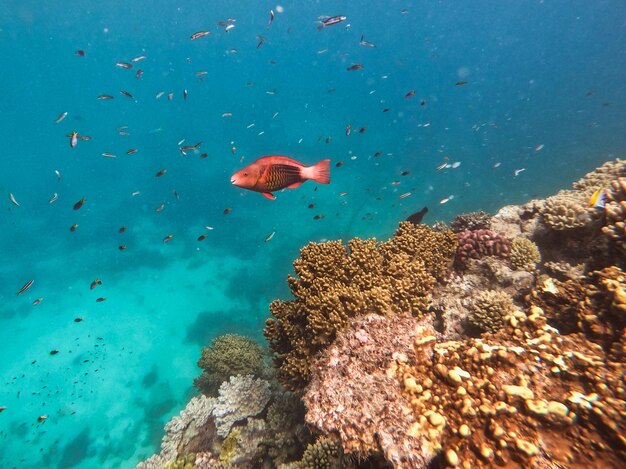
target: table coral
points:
(524, 254)
(228, 355)
(239, 398)
(334, 284)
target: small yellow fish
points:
(598, 199)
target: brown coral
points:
(566, 210)
(335, 284)
(525, 396)
(601, 177)
(480, 243)
(615, 210)
(524, 254)
(488, 310)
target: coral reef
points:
(615, 226)
(524, 254)
(471, 221)
(335, 284)
(488, 310)
(480, 243)
(228, 355)
(323, 454)
(286, 430)
(239, 398)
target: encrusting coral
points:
(335, 284)
(228, 355)
(524, 254)
(488, 310)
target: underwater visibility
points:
(313, 234)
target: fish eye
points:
(245, 174)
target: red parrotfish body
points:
(273, 173)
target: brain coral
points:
(228, 355)
(524, 254)
(488, 310)
(475, 244)
(335, 284)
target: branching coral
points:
(228, 355)
(471, 221)
(488, 310)
(335, 284)
(480, 243)
(239, 398)
(323, 454)
(524, 254)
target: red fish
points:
(273, 173)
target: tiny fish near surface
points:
(273, 173)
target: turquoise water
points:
(545, 93)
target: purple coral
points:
(475, 244)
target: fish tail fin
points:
(319, 172)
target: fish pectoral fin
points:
(295, 184)
(269, 195)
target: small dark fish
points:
(416, 218)
(362, 129)
(127, 94)
(460, 83)
(386, 109)
(354, 67)
(123, 65)
(60, 117)
(52, 352)
(80, 53)
(328, 139)
(199, 34)
(311, 206)
(95, 283)
(175, 194)
(204, 155)
(104, 97)
(73, 227)
(37, 301)
(161, 173)
(377, 154)
(227, 210)
(405, 173)
(348, 129)
(131, 151)
(423, 102)
(79, 204)
(365, 43)
(185, 93)
(410, 94)
(122, 229)
(318, 217)
(261, 40)
(78, 319)
(271, 19)
(100, 300)
(139, 73)
(122, 248)
(339, 164)
(160, 208)
(2, 408)
(26, 286)
(168, 238)
(202, 237)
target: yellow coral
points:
(334, 284)
(524, 254)
(489, 309)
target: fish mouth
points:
(233, 180)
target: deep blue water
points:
(545, 93)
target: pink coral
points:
(475, 244)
